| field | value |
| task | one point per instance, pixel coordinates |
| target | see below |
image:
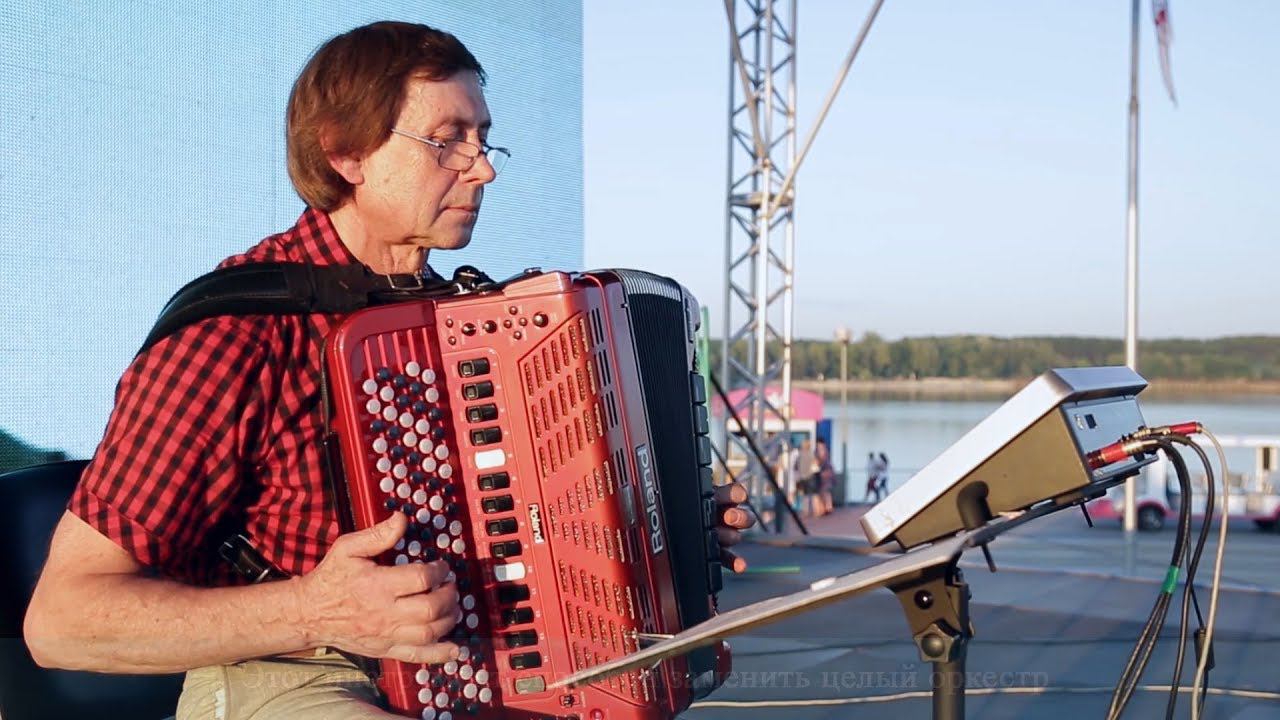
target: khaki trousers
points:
(325, 686)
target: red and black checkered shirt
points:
(219, 426)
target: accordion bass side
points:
(549, 440)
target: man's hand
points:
(401, 612)
(733, 520)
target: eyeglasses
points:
(460, 155)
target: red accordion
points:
(547, 437)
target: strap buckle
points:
(407, 281)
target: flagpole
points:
(1131, 254)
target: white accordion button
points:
(403, 491)
(400, 472)
(468, 603)
(387, 485)
(406, 420)
(458, 546)
(482, 677)
(410, 439)
(442, 699)
(400, 544)
(442, 541)
(472, 621)
(450, 667)
(435, 503)
(464, 653)
(422, 427)
(438, 522)
(485, 695)
(445, 471)
(424, 696)
(428, 376)
(470, 691)
(428, 712)
(412, 368)
(431, 395)
(509, 572)
(402, 559)
(415, 548)
(429, 464)
(370, 387)
(387, 394)
(423, 677)
(373, 406)
(442, 451)
(466, 671)
(380, 445)
(389, 413)
(446, 715)
(419, 497)
(384, 464)
(455, 527)
(425, 445)
(423, 516)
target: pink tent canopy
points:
(805, 404)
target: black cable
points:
(1180, 466)
(1210, 508)
(1147, 639)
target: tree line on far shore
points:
(983, 356)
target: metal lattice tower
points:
(760, 225)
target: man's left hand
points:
(734, 518)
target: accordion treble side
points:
(549, 440)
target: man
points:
(218, 427)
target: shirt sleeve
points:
(188, 421)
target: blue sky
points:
(971, 175)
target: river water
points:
(913, 432)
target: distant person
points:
(803, 469)
(823, 479)
(873, 478)
(882, 483)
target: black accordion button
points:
(496, 481)
(526, 661)
(517, 616)
(475, 391)
(512, 594)
(471, 368)
(510, 548)
(522, 638)
(505, 526)
(502, 503)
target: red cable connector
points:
(1138, 442)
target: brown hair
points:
(350, 93)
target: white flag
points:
(1164, 36)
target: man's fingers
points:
(440, 604)
(375, 539)
(733, 561)
(430, 654)
(728, 536)
(736, 517)
(731, 494)
(414, 578)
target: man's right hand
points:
(399, 612)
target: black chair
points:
(31, 502)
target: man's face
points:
(407, 197)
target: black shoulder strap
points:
(299, 288)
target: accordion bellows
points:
(549, 439)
